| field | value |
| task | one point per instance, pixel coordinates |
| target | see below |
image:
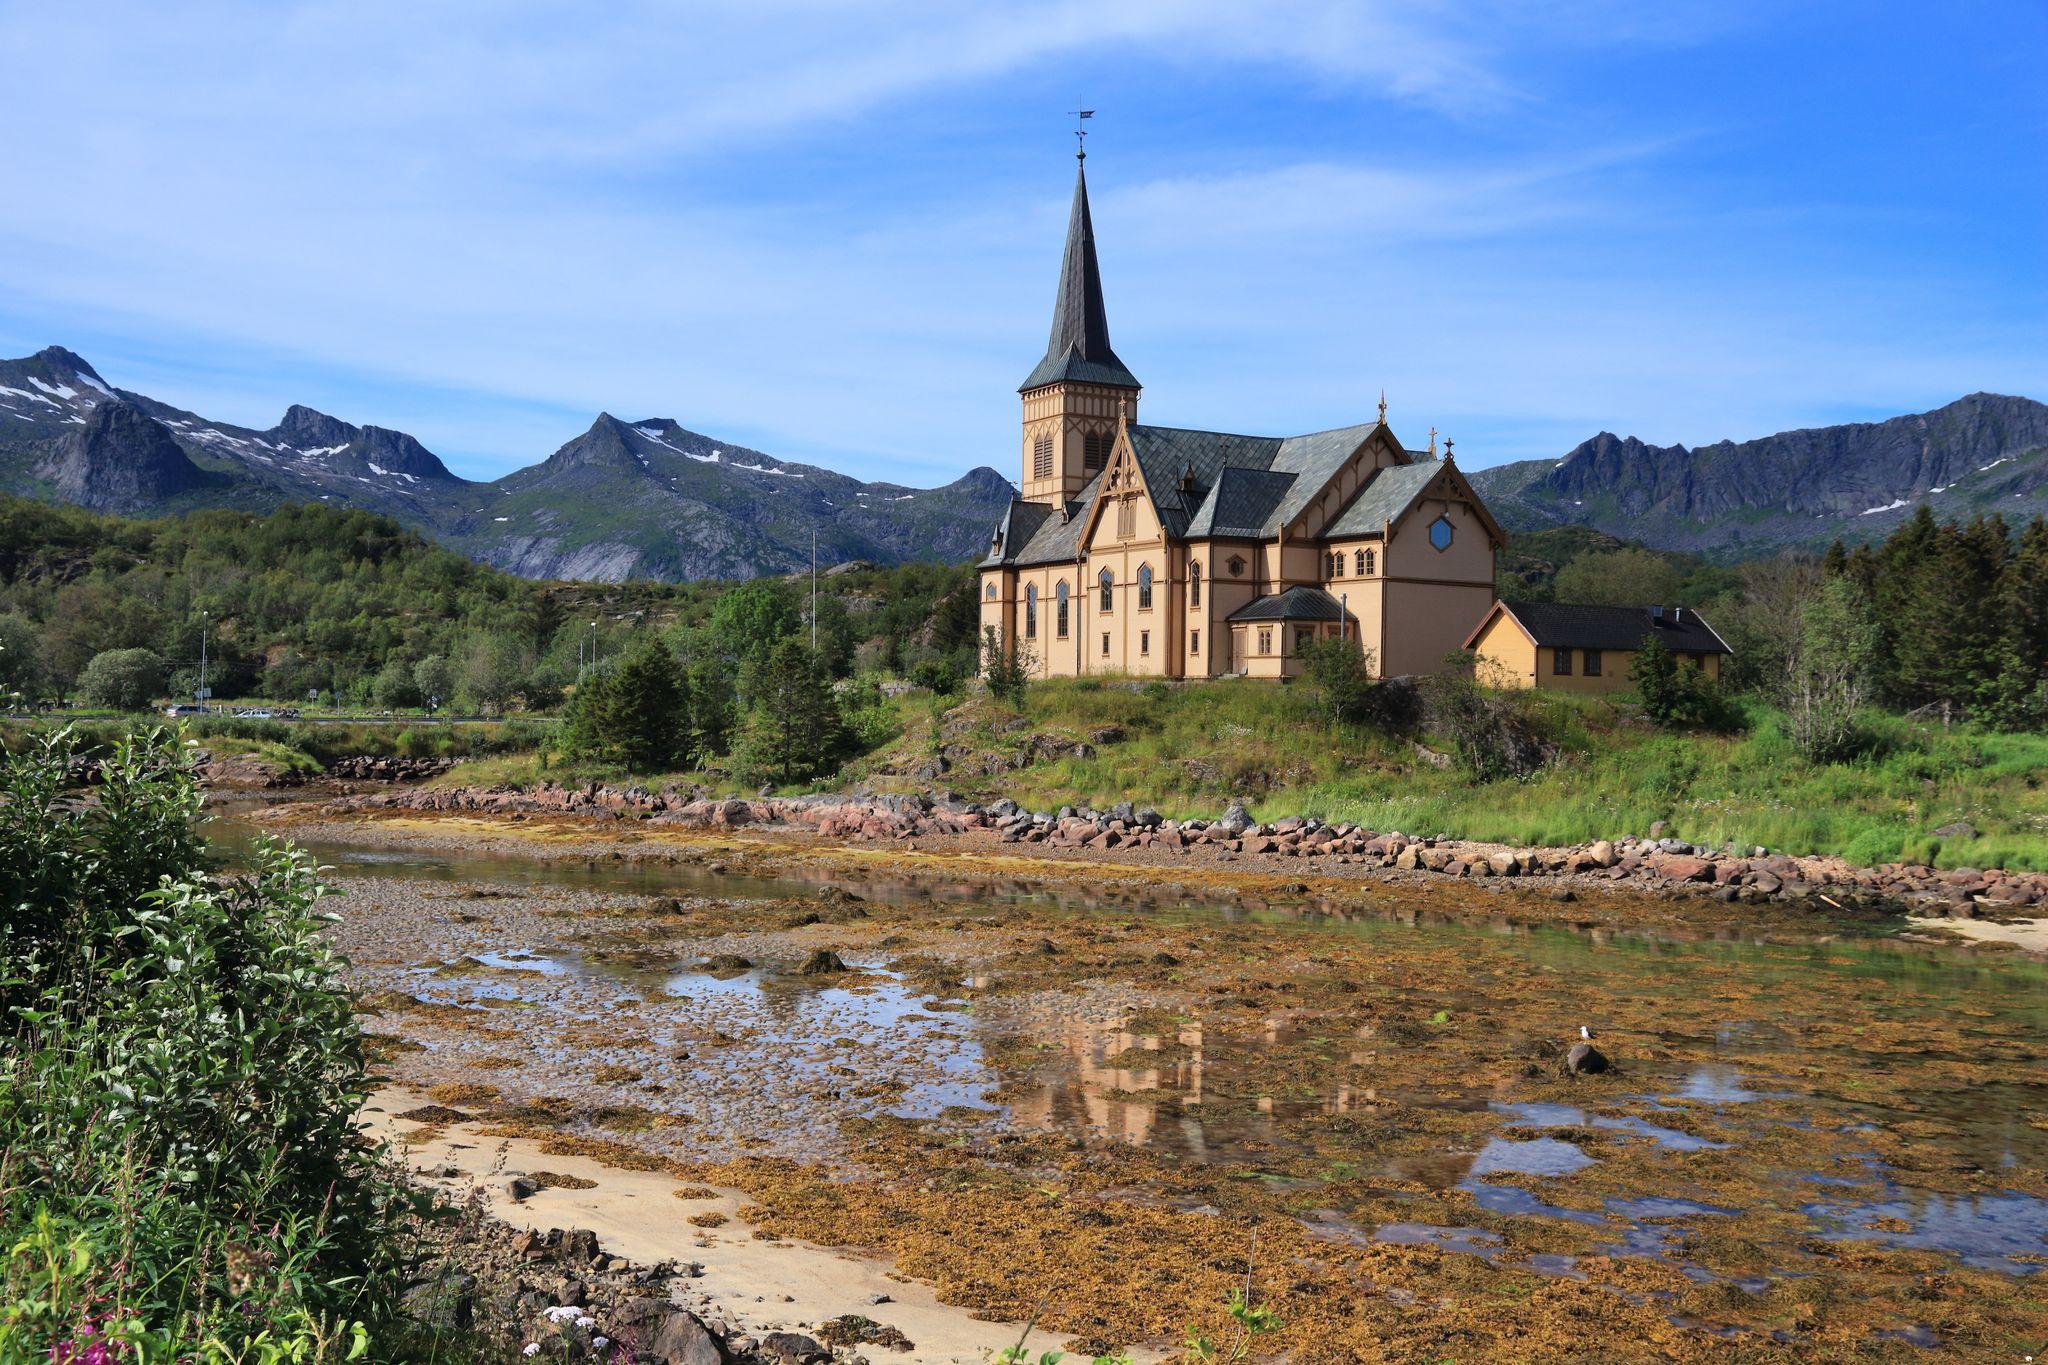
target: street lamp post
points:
(203, 693)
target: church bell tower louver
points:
(1072, 399)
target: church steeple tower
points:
(1071, 400)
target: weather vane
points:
(1081, 117)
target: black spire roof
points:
(1079, 349)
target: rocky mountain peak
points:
(120, 460)
(310, 429)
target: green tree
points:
(123, 679)
(793, 729)
(1628, 577)
(1006, 667)
(1831, 679)
(643, 710)
(434, 679)
(492, 672)
(21, 664)
(748, 622)
(713, 706)
(394, 687)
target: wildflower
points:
(532, 1349)
(599, 1343)
(586, 1323)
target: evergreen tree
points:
(646, 710)
(793, 726)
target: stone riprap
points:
(1664, 864)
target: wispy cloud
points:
(807, 225)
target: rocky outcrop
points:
(368, 768)
(557, 1294)
(1663, 864)
(121, 460)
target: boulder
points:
(1585, 1060)
(1683, 868)
(821, 962)
(1237, 819)
(1602, 853)
(683, 1339)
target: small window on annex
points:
(1371, 561)
(1302, 635)
(1561, 662)
(1144, 642)
(1194, 584)
(1105, 644)
(1060, 609)
(1107, 582)
(1194, 642)
(1265, 639)
(1144, 587)
(1592, 663)
(1031, 611)
(989, 592)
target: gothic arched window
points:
(1358, 561)
(1060, 609)
(1107, 581)
(1031, 612)
(1144, 587)
(1371, 558)
(990, 592)
(1195, 583)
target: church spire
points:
(1079, 349)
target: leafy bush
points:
(1485, 728)
(1006, 665)
(123, 679)
(182, 1172)
(1338, 674)
(1679, 694)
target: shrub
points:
(1006, 666)
(1678, 694)
(1484, 728)
(123, 679)
(178, 1106)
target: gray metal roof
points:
(1079, 347)
(1240, 503)
(1039, 535)
(1299, 603)
(1385, 496)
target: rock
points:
(1659, 828)
(683, 1339)
(579, 1246)
(1683, 868)
(1564, 894)
(1237, 819)
(821, 962)
(793, 1346)
(1602, 852)
(1961, 829)
(446, 1303)
(519, 1189)
(1106, 734)
(726, 962)
(1585, 1060)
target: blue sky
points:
(831, 231)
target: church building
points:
(1165, 552)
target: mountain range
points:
(644, 499)
(652, 499)
(1736, 499)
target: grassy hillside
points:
(1190, 750)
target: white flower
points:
(561, 1314)
(532, 1349)
(586, 1323)
(599, 1343)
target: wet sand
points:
(1132, 1091)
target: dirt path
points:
(756, 1285)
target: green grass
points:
(1189, 750)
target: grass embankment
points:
(1190, 750)
(294, 745)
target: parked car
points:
(185, 709)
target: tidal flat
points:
(1118, 1096)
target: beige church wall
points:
(1349, 573)
(1222, 595)
(1364, 599)
(1283, 660)
(1131, 628)
(1426, 621)
(1470, 558)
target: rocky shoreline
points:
(1653, 862)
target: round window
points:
(1440, 533)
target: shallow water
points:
(1805, 1033)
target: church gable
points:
(1339, 480)
(1122, 510)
